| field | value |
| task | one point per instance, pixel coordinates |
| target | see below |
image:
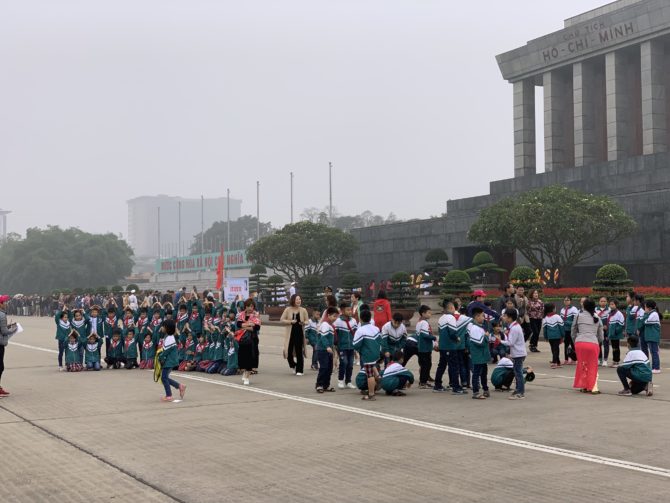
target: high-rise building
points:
(145, 212)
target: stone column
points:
(558, 121)
(654, 126)
(584, 89)
(618, 103)
(524, 128)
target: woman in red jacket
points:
(381, 310)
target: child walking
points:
(324, 351)
(169, 360)
(312, 335)
(552, 329)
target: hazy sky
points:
(103, 101)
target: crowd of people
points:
(207, 335)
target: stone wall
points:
(641, 184)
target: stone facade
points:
(606, 77)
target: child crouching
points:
(72, 353)
(396, 377)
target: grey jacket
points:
(584, 329)
(5, 332)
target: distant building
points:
(143, 218)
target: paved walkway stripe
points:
(547, 449)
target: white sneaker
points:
(298, 373)
(340, 384)
(245, 382)
(351, 386)
(656, 371)
(604, 363)
(60, 369)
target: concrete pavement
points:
(103, 436)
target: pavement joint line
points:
(591, 458)
(90, 453)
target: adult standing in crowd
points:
(294, 317)
(507, 295)
(522, 308)
(535, 314)
(587, 332)
(248, 320)
(6, 331)
(381, 310)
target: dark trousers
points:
(508, 379)
(604, 352)
(409, 351)
(346, 365)
(315, 362)
(518, 375)
(479, 375)
(569, 346)
(61, 351)
(167, 382)
(535, 326)
(2, 360)
(555, 351)
(616, 350)
(425, 364)
(635, 387)
(525, 326)
(325, 360)
(441, 368)
(296, 344)
(256, 354)
(131, 363)
(466, 367)
(454, 360)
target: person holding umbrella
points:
(6, 331)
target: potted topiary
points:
(483, 266)
(526, 277)
(276, 297)
(435, 267)
(612, 281)
(350, 281)
(456, 283)
(258, 277)
(403, 295)
(309, 289)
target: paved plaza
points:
(105, 436)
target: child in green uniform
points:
(199, 352)
(650, 336)
(396, 377)
(478, 344)
(312, 335)
(426, 341)
(615, 331)
(553, 330)
(148, 352)
(92, 352)
(231, 350)
(130, 348)
(217, 350)
(73, 352)
(189, 346)
(63, 329)
(168, 359)
(634, 373)
(367, 342)
(114, 357)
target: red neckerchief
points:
(195, 315)
(456, 315)
(115, 343)
(612, 313)
(129, 342)
(141, 321)
(216, 321)
(566, 310)
(188, 344)
(182, 317)
(147, 345)
(111, 321)
(207, 319)
(156, 322)
(127, 321)
(200, 348)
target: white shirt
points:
(132, 302)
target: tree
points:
(242, 233)
(554, 228)
(525, 276)
(276, 291)
(54, 258)
(303, 249)
(309, 289)
(403, 293)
